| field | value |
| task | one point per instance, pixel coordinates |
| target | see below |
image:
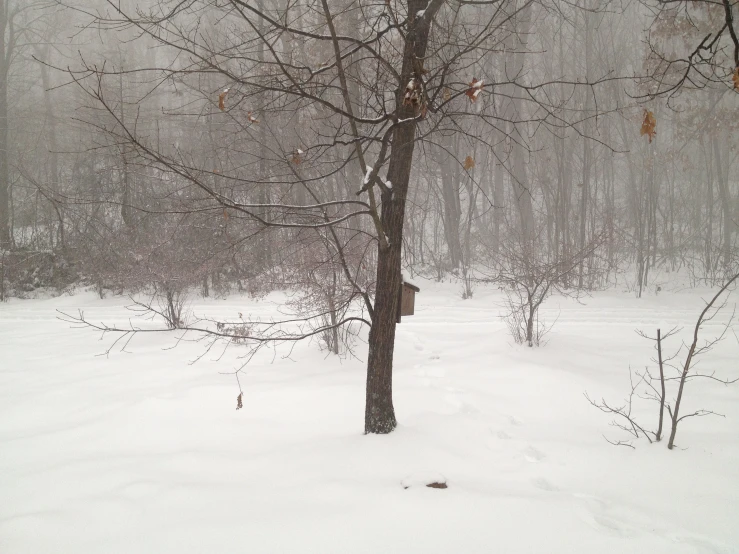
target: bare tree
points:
(377, 90)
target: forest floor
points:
(143, 452)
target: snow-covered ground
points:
(142, 452)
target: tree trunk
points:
(379, 412)
(4, 174)
(709, 207)
(530, 324)
(522, 187)
(127, 200)
(586, 150)
(264, 196)
(722, 175)
(450, 177)
(54, 177)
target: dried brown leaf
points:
(469, 163)
(475, 89)
(437, 485)
(649, 125)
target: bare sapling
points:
(624, 416)
(651, 387)
(708, 313)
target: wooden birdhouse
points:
(407, 299)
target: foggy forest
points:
(369, 276)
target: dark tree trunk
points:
(709, 206)
(127, 197)
(4, 174)
(379, 412)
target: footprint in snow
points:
(543, 484)
(461, 404)
(513, 421)
(533, 455)
(596, 513)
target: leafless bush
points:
(651, 387)
(172, 302)
(468, 279)
(522, 318)
(239, 332)
(528, 278)
(328, 294)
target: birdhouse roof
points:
(411, 286)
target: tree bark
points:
(5, 242)
(379, 412)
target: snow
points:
(367, 175)
(142, 451)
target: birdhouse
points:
(407, 299)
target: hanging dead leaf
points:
(251, 118)
(424, 110)
(239, 404)
(225, 214)
(469, 163)
(447, 94)
(649, 125)
(297, 158)
(735, 78)
(475, 89)
(222, 99)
